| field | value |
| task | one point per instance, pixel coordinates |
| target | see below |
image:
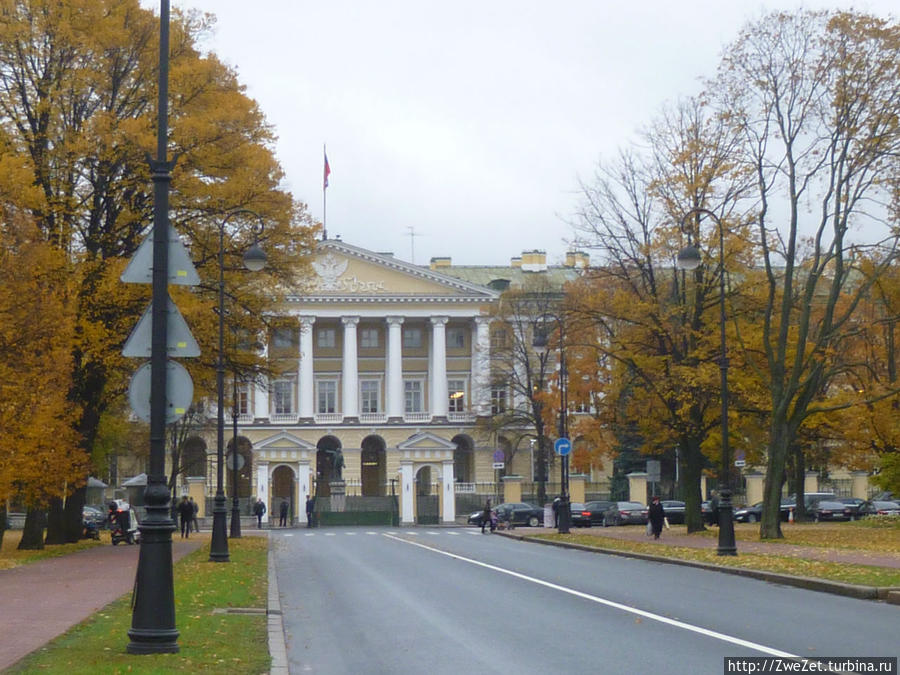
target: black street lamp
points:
(235, 532)
(689, 259)
(254, 260)
(540, 342)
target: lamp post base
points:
(235, 520)
(727, 545)
(218, 545)
(565, 516)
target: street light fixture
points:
(254, 260)
(689, 259)
(563, 511)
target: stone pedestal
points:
(755, 483)
(637, 487)
(576, 487)
(338, 495)
(512, 488)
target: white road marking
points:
(329, 534)
(310, 534)
(289, 534)
(371, 532)
(453, 534)
(350, 534)
(434, 533)
(609, 603)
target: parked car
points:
(580, 517)
(93, 515)
(852, 503)
(706, 513)
(517, 513)
(597, 509)
(625, 513)
(830, 510)
(674, 511)
(875, 507)
(749, 514)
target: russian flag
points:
(326, 172)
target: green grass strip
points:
(209, 642)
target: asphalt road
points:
(434, 601)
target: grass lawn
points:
(862, 536)
(210, 642)
(11, 557)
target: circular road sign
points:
(562, 446)
(179, 391)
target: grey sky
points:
(470, 122)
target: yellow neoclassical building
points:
(382, 367)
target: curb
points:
(891, 595)
(277, 646)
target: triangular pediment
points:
(342, 271)
(426, 441)
(284, 441)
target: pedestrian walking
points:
(283, 513)
(657, 516)
(714, 508)
(310, 510)
(487, 516)
(556, 503)
(186, 515)
(194, 520)
(259, 510)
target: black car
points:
(852, 503)
(876, 507)
(517, 513)
(674, 511)
(749, 514)
(625, 513)
(581, 517)
(93, 515)
(596, 510)
(830, 510)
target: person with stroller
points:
(487, 517)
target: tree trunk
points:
(74, 515)
(799, 483)
(770, 524)
(33, 533)
(3, 517)
(691, 469)
(55, 522)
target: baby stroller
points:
(122, 523)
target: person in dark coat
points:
(310, 510)
(186, 516)
(714, 508)
(195, 521)
(259, 510)
(487, 516)
(283, 513)
(657, 517)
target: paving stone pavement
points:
(42, 600)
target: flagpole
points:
(325, 173)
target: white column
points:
(305, 377)
(262, 487)
(395, 367)
(261, 397)
(438, 369)
(481, 366)
(303, 490)
(407, 514)
(350, 369)
(449, 500)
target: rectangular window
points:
(282, 337)
(326, 396)
(498, 338)
(498, 401)
(368, 338)
(325, 338)
(368, 394)
(456, 338)
(283, 396)
(457, 392)
(242, 402)
(412, 394)
(412, 338)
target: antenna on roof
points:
(412, 243)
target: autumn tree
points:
(78, 82)
(649, 325)
(813, 97)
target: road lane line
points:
(609, 603)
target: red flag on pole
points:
(326, 172)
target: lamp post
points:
(235, 532)
(563, 511)
(689, 259)
(539, 342)
(254, 260)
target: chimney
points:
(516, 262)
(534, 261)
(578, 259)
(438, 263)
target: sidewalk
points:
(44, 599)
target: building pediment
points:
(283, 441)
(426, 441)
(345, 272)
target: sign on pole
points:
(562, 446)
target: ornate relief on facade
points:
(330, 268)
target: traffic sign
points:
(498, 465)
(562, 446)
(179, 341)
(179, 391)
(181, 270)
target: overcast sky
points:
(468, 123)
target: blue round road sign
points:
(562, 446)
